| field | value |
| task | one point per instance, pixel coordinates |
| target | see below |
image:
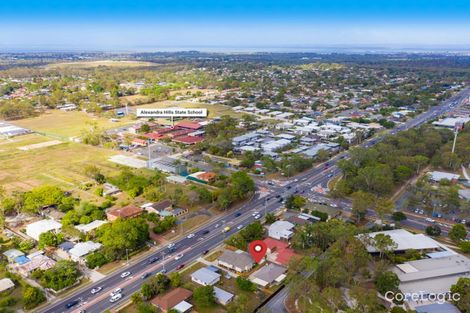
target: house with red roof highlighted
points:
(279, 251)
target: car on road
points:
(205, 252)
(190, 236)
(257, 216)
(255, 213)
(179, 267)
(115, 292)
(430, 220)
(179, 256)
(96, 290)
(238, 214)
(205, 232)
(72, 304)
(115, 298)
(145, 275)
(162, 271)
(239, 226)
(329, 175)
(216, 225)
(226, 229)
(153, 260)
(125, 274)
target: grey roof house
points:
(268, 275)
(205, 277)
(238, 261)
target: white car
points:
(255, 213)
(179, 256)
(190, 236)
(239, 227)
(125, 274)
(115, 298)
(430, 220)
(257, 216)
(115, 292)
(96, 290)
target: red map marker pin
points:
(257, 250)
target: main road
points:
(211, 234)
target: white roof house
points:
(405, 241)
(85, 228)
(183, 307)
(6, 284)
(281, 230)
(438, 176)
(205, 277)
(434, 275)
(35, 229)
(82, 249)
(222, 296)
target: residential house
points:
(175, 299)
(125, 212)
(281, 230)
(86, 228)
(437, 176)
(268, 275)
(222, 296)
(157, 208)
(82, 249)
(6, 284)
(12, 254)
(168, 165)
(110, 189)
(238, 261)
(34, 230)
(279, 251)
(205, 277)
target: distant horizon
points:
(233, 49)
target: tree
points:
(433, 230)
(462, 289)
(457, 233)
(204, 296)
(384, 206)
(155, 285)
(32, 297)
(242, 184)
(398, 216)
(322, 215)
(295, 202)
(50, 239)
(384, 244)
(362, 202)
(63, 274)
(245, 284)
(464, 245)
(387, 281)
(95, 260)
(175, 279)
(270, 218)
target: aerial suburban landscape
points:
(196, 174)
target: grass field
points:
(64, 125)
(93, 64)
(59, 165)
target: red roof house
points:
(125, 212)
(189, 125)
(279, 251)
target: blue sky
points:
(142, 24)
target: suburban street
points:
(194, 247)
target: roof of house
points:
(40, 261)
(221, 295)
(405, 240)
(189, 124)
(66, 245)
(161, 205)
(13, 254)
(84, 248)
(437, 308)
(183, 306)
(438, 176)
(188, 139)
(35, 229)
(269, 273)
(6, 283)
(283, 253)
(172, 298)
(283, 227)
(127, 211)
(239, 259)
(90, 226)
(205, 275)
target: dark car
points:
(153, 260)
(278, 196)
(205, 252)
(72, 304)
(238, 214)
(205, 232)
(179, 267)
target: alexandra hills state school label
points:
(172, 112)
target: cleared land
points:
(63, 125)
